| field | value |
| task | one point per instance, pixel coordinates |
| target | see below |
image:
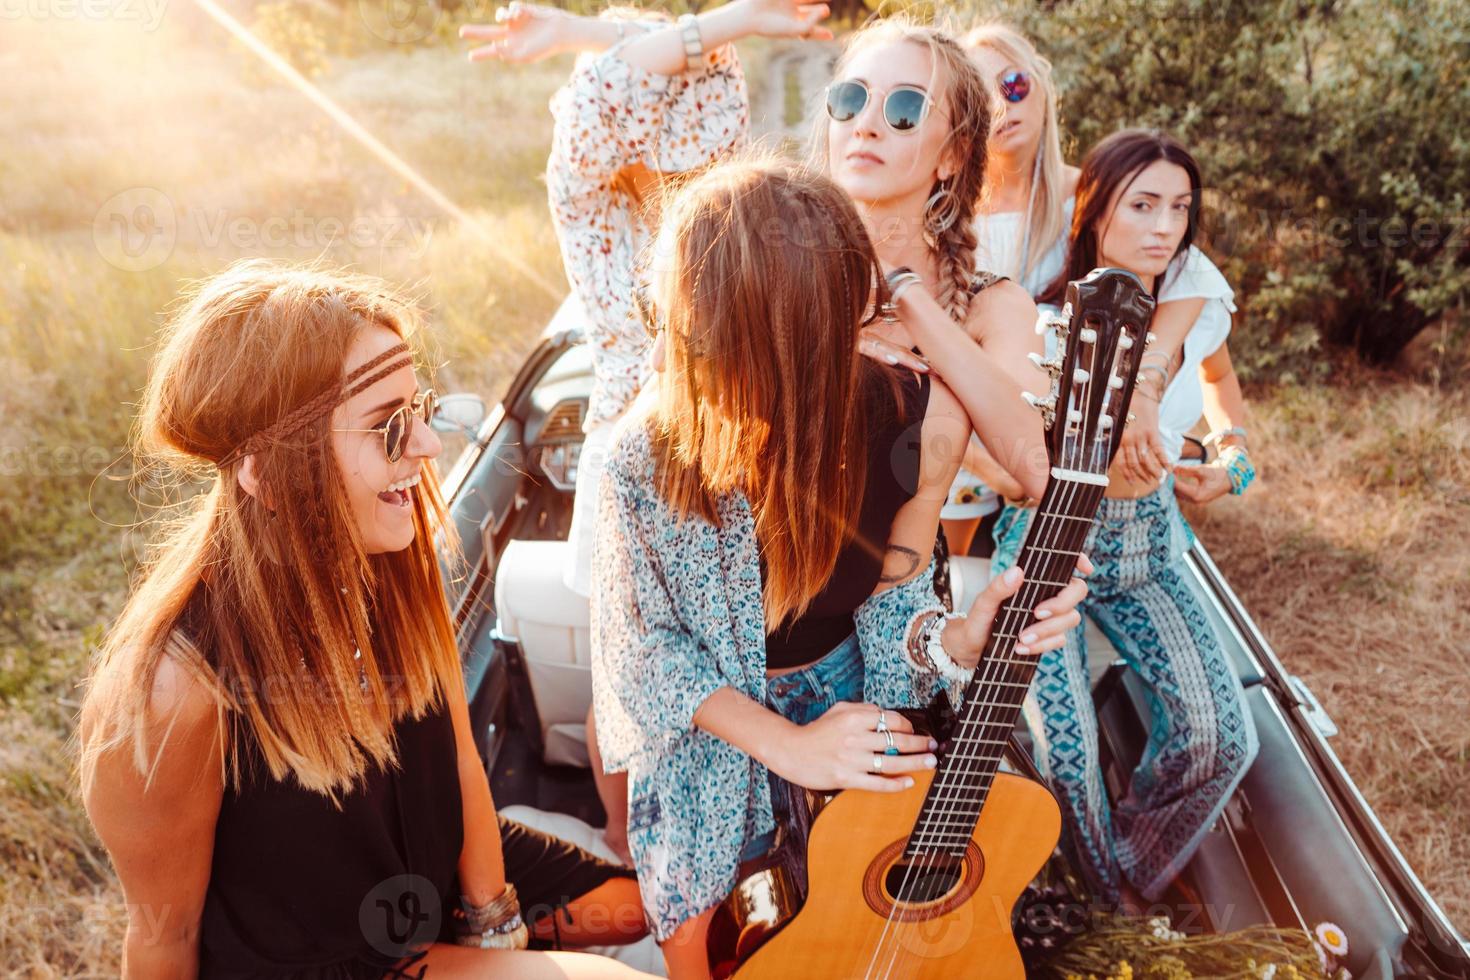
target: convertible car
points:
(1297, 846)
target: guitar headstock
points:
(1102, 331)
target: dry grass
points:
(1350, 552)
(1333, 551)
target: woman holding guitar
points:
(1137, 200)
(744, 626)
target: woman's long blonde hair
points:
(968, 107)
(770, 281)
(1044, 225)
(279, 600)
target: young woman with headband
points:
(275, 745)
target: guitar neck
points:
(994, 697)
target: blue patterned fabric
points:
(804, 696)
(677, 615)
(1201, 740)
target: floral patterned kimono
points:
(677, 615)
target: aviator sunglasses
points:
(397, 427)
(904, 107)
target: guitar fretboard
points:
(994, 696)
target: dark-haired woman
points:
(1137, 198)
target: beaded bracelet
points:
(1238, 467)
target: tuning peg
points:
(1080, 376)
(1130, 417)
(1148, 341)
(1106, 422)
(1059, 324)
(1125, 342)
(1074, 415)
(1052, 368)
(1088, 335)
(1115, 382)
(1042, 404)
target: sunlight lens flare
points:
(375, 146)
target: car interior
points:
(1297, 844)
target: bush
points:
(1333, 139)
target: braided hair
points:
(969, 108)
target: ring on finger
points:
(877, 763)
(882, 721)
(891, 749)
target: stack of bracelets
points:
(1237, 461)
(495, 925)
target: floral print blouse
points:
(608, 116)
(677, 615)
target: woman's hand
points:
(1141, 455)
(964, 639)
(522, 33)
(879, 343)
(1201, 484)
(784, 18)
(839, 749)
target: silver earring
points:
(941, 210)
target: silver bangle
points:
(1217, 435)
(943, 663)
(897, 286)
(693, 43)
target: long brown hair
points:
(1107, 170)
(279, 601)
(968, 107)
(770, 282)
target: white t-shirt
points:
(1193, 276)
(1190, 276)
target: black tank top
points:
(893, 479)
(302, 889)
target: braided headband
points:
(297, 419)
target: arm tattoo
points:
(909, 554)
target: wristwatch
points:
(693, 43)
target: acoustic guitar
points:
(922, 883)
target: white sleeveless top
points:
(999, 248)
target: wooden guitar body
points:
(961, 928)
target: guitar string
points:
(954, 775)
(1046, 536)
(963, 775)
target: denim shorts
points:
(803, 696)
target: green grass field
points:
(136, 160)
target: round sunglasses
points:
(397, 427)
(904, 106)
(1015, 86)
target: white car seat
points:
(550, 623)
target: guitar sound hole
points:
(925, 878)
